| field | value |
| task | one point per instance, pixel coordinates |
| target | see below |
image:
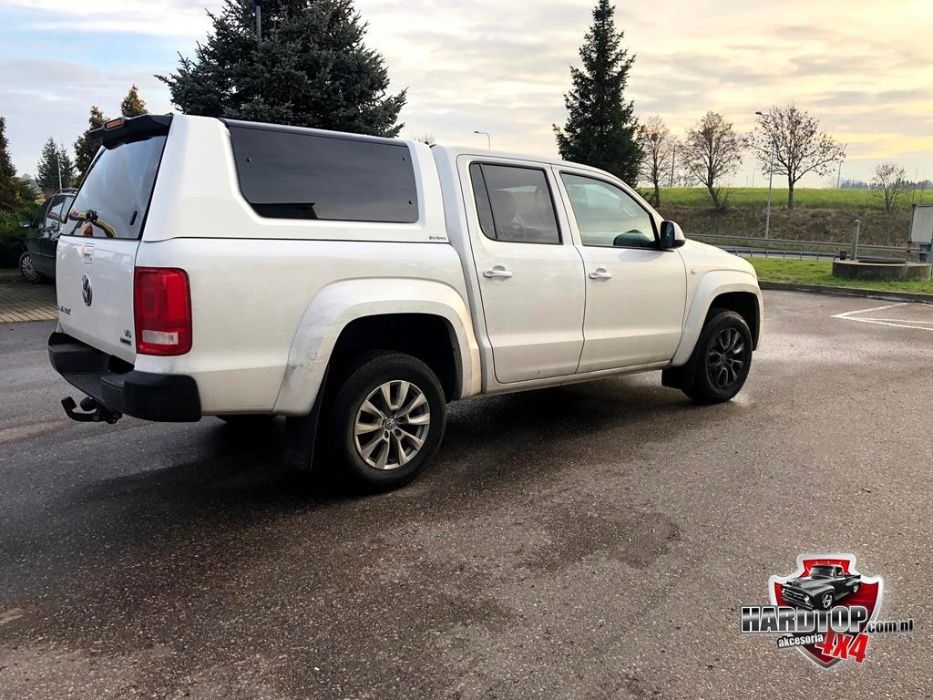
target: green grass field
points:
(820, 272)
(743, 197)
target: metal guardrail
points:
(787, 247)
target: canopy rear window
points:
(114, 197)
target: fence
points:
(789, 248)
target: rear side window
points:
(114, 197)
(293, 175)
(514, 203)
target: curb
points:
(849, 292)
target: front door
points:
(635, 293)
(530, 274)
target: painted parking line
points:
(858, 316)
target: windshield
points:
(822, 572)
(114, 197)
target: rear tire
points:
(386, 420)
(27, 269)
(722, 358)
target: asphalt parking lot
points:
(594, 540)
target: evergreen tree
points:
(87, 144)
(9, 189)
(309, 68)
(69, 176)
(53, 158)
(601, 128)
(132, 105)
(29, 191)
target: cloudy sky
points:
(864, 68)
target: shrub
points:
(12, 236)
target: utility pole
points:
(858, 227)
(673, 156)
(770, 183)
(257, 10)
(58, 162)
(770, 180)
(839, 176)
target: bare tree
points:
(793, 138)
(712, 151)
(425, 138)
(656, 144)
(889, 184)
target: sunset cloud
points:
(502, 66)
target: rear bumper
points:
(155, 397)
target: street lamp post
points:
(673, 157)
(488, 139)
(770, 182)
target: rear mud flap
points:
(302, 445)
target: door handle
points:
(497, 271)
(600, 273)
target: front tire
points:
(386, 421)
(27, 269)
(722, 358)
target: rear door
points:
(96, 254)
(530, 275)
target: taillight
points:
(162, 308)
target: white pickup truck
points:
(357, 285)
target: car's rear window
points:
(114, 197)
(287, 174)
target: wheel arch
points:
(722, 289)
(745, 304)
(427, 319)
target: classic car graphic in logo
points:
(826, 609)
(86, 292)
(820, 587)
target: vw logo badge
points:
(86, 293)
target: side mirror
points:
(671, 236)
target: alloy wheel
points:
(391, 425)
(27, 269)
(726, 358)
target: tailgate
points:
(94, 284)
(96, 257)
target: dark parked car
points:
(37, 263)
(825, 585)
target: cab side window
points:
(607, 215)
(514, 204)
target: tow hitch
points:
(93, 411)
